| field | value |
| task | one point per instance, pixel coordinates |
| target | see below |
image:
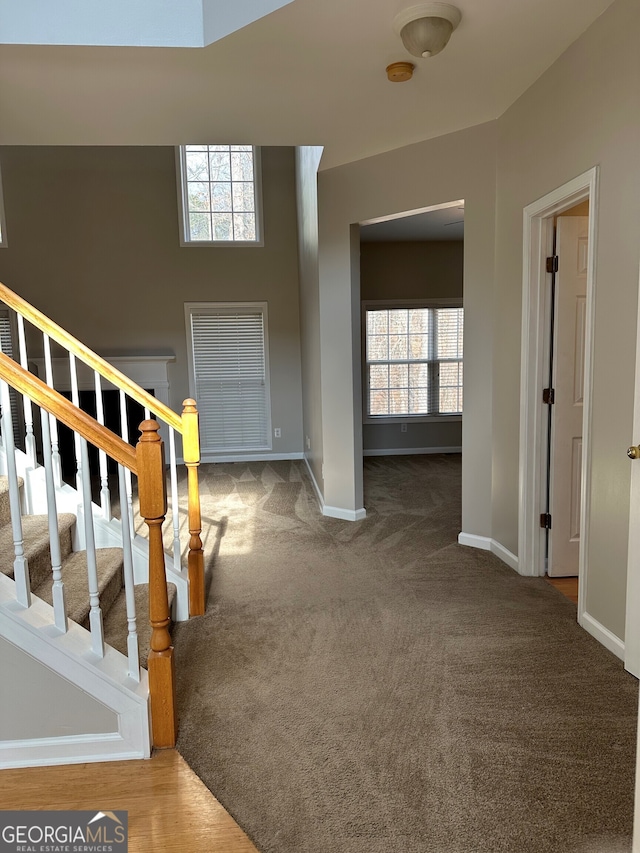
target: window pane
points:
(398, 401)
(220, 164)
(200, 226)
(418, 375)
(222, 226)
(378, 348)
(450, 400)
(221, 197)
(450, 375)
(241, 147)
(379, 402)
(418, 401)
(398, 375)
(419, 321)
(198, 193)
(197, 166)
(398, 346)
(195, 147)
(242, 166)
(449, 326)
(377, 322)
(243, 197)
(379, 376)
(398, 322)
(244, 226)
(419, 346)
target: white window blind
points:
(414, 361)
(229, 372)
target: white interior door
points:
(566, 438)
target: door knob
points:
(633, 452)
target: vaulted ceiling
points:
(312, 72)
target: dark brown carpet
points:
(374, 687)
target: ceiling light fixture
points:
(425, 29)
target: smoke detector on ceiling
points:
(425, 29)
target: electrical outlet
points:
(403, 427)
(308, 443)
(277, 433)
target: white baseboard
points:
(248, 457)
(344, 514)
(334, 511)
(410, 451)
(602, 635)
(73, 749)
(484, 543)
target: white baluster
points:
(124, 432)
(20, 565)
(53, 423)
(129, 590)
(75, 399)
(59, 604)
(105, 497)
(147, 414)
(95, 613)
(30, 439)
(175, 509)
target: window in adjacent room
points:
(219, 195)
(229, 374)
(413, 358)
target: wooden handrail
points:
(112, 374)
(62, 409)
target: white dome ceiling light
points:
(425, 29)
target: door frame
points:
(632, 631)
(537, 246)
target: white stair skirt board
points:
(334, 511)
(484, 543)
(602, 635)
(105, 679)
(248, 457)
(411, 451)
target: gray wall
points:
(459, 166)
(93, 242)
(411, 270)
(593, 111)
(307, 160)
(42, 704)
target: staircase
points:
(86, 601)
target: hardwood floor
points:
(567, 586)
(169, 808)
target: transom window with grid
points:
(413, 361)
(219, 194)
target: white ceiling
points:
(447, 223)
(310, 73)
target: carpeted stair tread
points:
(35, 531)
(5, 505)
(115, 623)
(76, 585)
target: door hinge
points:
(549, 396)
(545, 521)
(552, 264)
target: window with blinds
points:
(413, 361)
(229, 375)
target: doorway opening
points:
(411, 291)
(557, 355)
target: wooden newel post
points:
(152, 490)
(191, 455)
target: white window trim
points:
(3, 222)
(189, 308)
(183, 209)
(391, 304)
